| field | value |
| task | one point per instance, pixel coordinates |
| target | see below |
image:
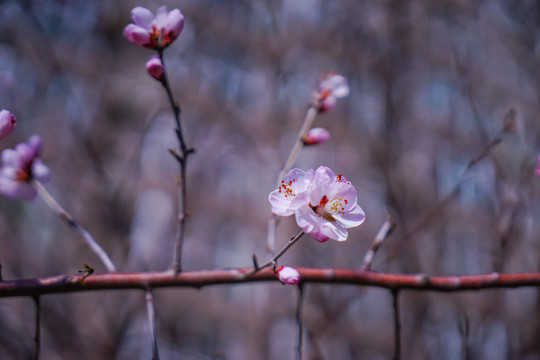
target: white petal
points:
(353, 218)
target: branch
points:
(181, 157)
(198, 279)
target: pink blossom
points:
(154, 67)
(324, 204)
(316, 136)
(20, 166)
(7, 123)
(288, 275)
(538, 165)
(332, 87)
(154, 31)
(291, 194)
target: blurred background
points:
(432, 82)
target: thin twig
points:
(151, 312)
(397, 325)
(37, 332)
(385, 230)
(509, 125)
(293, 154)
(181, 157)
(70, 221)
(275, 258)
(299, 320)
(306, 125)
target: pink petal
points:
(40, 171)
(137, 35)
(142, 17)
(17, 189)
(353, 218)
(35, 143)
(26, 153)
(319, 237)
(174, 24)
(7, 123)
(10, 158)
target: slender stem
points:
(397, 325)
(293, 154)
(507, 127)
(280, 253)
(69, 220)
(385, 230)
(37, 332)
(299, 321)
(151, 312)
(182, 161)
(306, 125)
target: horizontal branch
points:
(198, 279)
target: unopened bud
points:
(7, 123)
(154, 67)
(316, 136)
(288, 275)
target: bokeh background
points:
(431, 83)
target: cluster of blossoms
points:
(20, 167)
(323, 203)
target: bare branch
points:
(200, 278)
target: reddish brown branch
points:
(143, 281)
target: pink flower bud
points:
(538, 165)
(316, 136)
(20, 166)
(7, 123)
(288, 275)
(154, 67)
(332, 87)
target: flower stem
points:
(151, 312)
(299, 321)
(279, 254)
(69, 220)
(397, 325)
(37, 332)
(306, 125)
(182, 161)
(384, 231)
